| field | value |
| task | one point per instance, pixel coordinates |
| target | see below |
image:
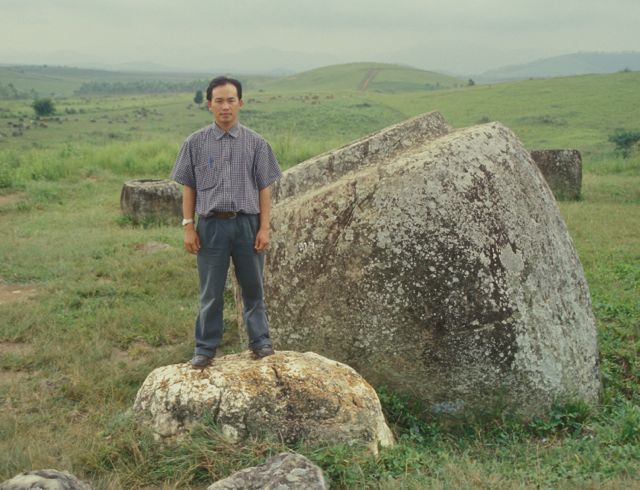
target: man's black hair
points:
(219, 81)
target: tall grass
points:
(71, 162)
(149, 159)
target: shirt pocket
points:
(205, 177)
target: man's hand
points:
(191, 239)
(262, 240)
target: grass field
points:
(576, 112)
(98, 309)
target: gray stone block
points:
(153, 200)
(562, 169)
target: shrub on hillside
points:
(43, 107)
(624, 140)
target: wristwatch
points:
(186, 221)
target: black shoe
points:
(264, 351)
(200, 361)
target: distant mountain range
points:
(53, 79)
(457, 58)
(566, 65)
(257, 61)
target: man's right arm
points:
(191, 239)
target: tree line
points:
(138, 87)
(10, 92)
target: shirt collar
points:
(218, 132)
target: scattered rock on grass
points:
(153, 247)
(45, 480)
(285, 471)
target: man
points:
(227, 170)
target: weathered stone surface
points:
(562, 169)
(369, 150)
(444, 271)
(286, 471)
(289, 396)
(149, 199)
(328, 167)
(45, 480)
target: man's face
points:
(225, 105)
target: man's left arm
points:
(267, 171)
(262, 238)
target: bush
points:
(43, 107)
(624, 140)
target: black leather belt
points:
(223, 214)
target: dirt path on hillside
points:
(10, 293)
(368, 78)
(9, 199)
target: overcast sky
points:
(466, 36)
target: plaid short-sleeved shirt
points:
(227, 169)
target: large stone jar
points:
(435, 262)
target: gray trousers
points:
(220, 240)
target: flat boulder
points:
(289, 396)
(285, 471)
(441, 268)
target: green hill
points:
(370, 77)
(574, 112)
(569, 112)
(58, 81)
(63, 81)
